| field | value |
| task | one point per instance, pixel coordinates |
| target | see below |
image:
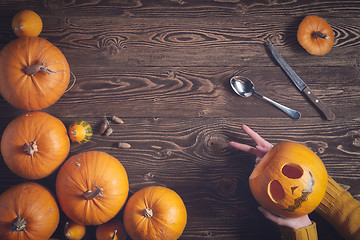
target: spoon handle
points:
(290, 112)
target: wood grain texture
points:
(164, 68)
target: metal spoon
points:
(245, 87)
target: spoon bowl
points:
(244, 87)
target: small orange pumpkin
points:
(112, 230)
(74, 231)
(315, 35)
(27, 23)
(34, 145)
(28, 211)
(80, 131)
(155, 213)
(34, 73)
(92, 187)
(290, 180)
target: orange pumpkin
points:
(315, 35)
(34, 73)
(27, 23)
(155, 213)
(28, 211)
(112, 230)
(74, 231)
(92, 187)
(34, 145)
(290, 180)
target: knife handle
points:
(319, 104)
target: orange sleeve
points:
(305, 233)
(341, 210)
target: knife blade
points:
(300, 84)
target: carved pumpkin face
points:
(290, 180)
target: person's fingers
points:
(243, 147)
(256, 137)
(263, 150)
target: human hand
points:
(294, 223)
(260, 150)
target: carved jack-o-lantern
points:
(290, 180)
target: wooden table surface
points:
(164, 66)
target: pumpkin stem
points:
(30, 148)
(33, 69)
(114, 235)
(66, 230)
(18, 28)
(319, 35)
(148, 213)
(92, 193)
(19, 224)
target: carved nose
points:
(293, 189)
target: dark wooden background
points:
(164, 66)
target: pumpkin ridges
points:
(169, 214)
(42, 215)
(82, 170)
(26, 23)
(52, 146)
(22, 52)
(316, 46)
(51, 139)
(42, 83)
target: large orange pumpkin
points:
(28, 211)
(92, 187)
(290, 180)
(155, 213)
(315, 35)
(34, 145)
(33, 73)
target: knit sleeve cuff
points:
(305, 233)
(333, 192)
(341, 210)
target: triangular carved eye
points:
(293, 189)
(276, 191)
(292, 171)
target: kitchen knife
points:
(299, 83)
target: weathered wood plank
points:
(217, 42)
(166, 147)
(182, 8)
(214, 42)
(202, 92)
